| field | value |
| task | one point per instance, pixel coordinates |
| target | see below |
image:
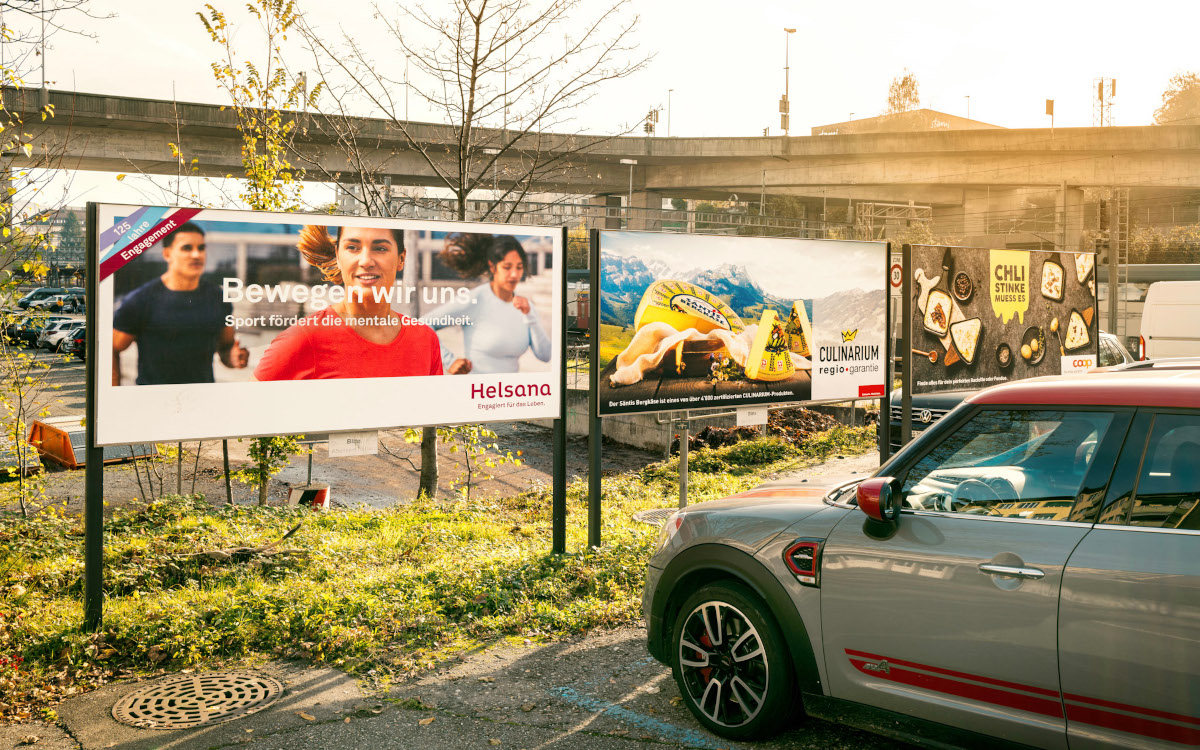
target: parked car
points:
(76, 343)
(1024, 574)
(54, 341)
(39, 294)
(48, 336)
(1170, 320)
(928, 408)
(30, 329)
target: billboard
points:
(982, 317)
(703, 321)
(226, 323)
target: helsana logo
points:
(849, 335)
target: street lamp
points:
(784, 105)
(629, 200)
(493, 152)
(669, 112)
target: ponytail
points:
(468, 253)
(318, 249)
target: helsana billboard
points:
(982, 317)
(217, 323)
(690, 321)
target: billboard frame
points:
(595, 419)
(93, 594)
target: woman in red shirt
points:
(359, 336)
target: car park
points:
(71, 302)
(1026, 573)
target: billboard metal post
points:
(684, 440)
(93, 555)
(558, 512)
(595, 448)
(906, 332)
(889, 359)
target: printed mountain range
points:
(625, 280)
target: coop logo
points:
(848, 336)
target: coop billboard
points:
(691, 321)
(982, 317)
(220, 323)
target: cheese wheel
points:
(799, 329)
(682, 306)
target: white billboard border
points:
(114, 401)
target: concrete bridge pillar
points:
(1068, 218)
(607, 212)
(647, 211)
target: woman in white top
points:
(503, 325)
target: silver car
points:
(1024, 574)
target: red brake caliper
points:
(706, 672)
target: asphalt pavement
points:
(601, 690)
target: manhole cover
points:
(654, 516)
(192, 700)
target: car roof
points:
(1154, 388)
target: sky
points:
(723, 68)
(770, 262)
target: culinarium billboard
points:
(691, 322)
(219, 323)
(982, 317)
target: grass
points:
(613, 341)
(380, 593)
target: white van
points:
(1171, 320)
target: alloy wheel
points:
(723, 664)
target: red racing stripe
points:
(1132, 709)
(1094, 714)
(1133, 725)
(960, 675)
(994, 696)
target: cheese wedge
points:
(1077, 333)
(770, 355)
(937, 312)
(1084, 263)
(799, 329)
(682, 306)
(965, 335)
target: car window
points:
(1167, 494)
(1109, 355)
(1012, 463)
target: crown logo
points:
(849, 335)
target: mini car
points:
(1026, 573)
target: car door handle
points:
(1012, 571)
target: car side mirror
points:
(878, 498)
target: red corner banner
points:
(160, 230)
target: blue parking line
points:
(670, 732)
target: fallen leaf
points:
(493, 741)
(346, 720)
(676, 700)
(487, 679)
(426, 722)
(306, 717)
(527, 707)
(30, 739)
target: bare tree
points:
(904, 93)
(496, 76)
(505, 93)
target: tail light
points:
(803, 558)
(1141, 348)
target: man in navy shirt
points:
(177, 320)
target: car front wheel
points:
(731, 664)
